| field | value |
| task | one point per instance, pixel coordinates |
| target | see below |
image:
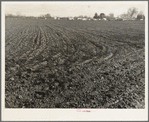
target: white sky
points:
(64, 9)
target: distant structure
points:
(70, 18)
(104, 19)
(79, 18)
(84, 19)
(131, 15)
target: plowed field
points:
(74, 64)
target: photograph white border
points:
(71, 114)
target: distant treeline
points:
(132, 14)
(32, 17)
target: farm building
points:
(55, 18)
(104, 19)
(79, 18)
(95, 19)
(71, 18)
(84, 19)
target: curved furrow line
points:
(93, 40)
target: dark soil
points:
(74, 64)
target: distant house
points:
(95, 19)
(84, 19)
(71, 18)
(79, 18)
(105, 19)
(55, 18)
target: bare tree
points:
(132, 12)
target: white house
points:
(71, 18)
(84, 19)
(95, 19)
(105, 19)
(55, 17)
(79, 18)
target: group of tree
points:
(130, 14)
(141, 15)
(133, 13)
(48, 16)
(45, 16)
(101, 16)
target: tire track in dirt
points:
(80, 34)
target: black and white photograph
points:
(81, 55)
